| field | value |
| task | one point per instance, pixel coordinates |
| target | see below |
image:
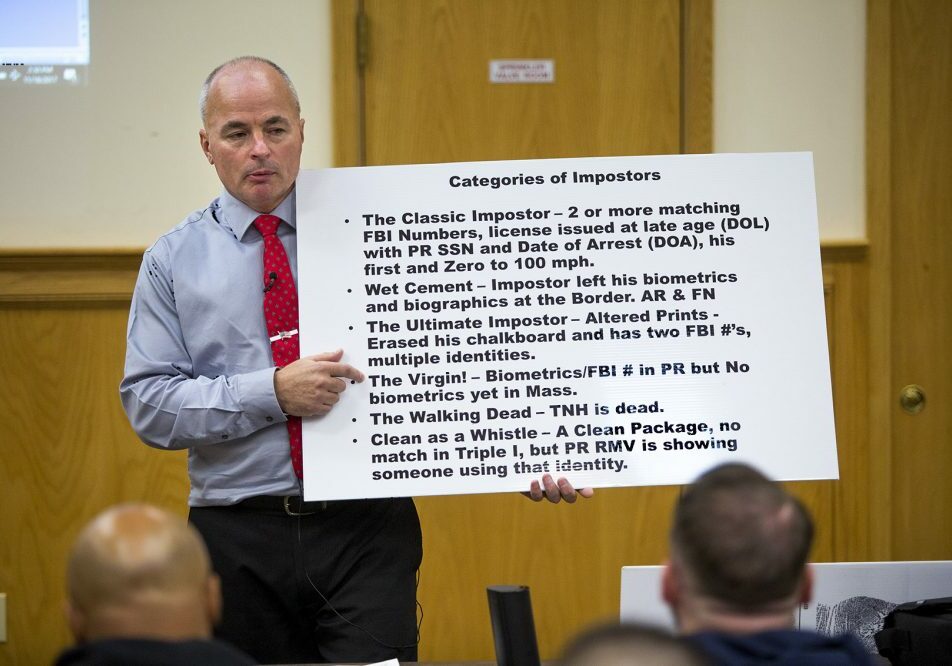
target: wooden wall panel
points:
(852, 521)
(840, 507)
(67, 449)
(569, 556)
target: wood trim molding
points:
(68, 277)
(844, 251)
(879, 207)
(697, 76)
(345, 93)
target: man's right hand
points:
(312, 385)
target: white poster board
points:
(849, 597)
(617, 321)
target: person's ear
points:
(670, 585)
(806, 586)
(76, 620)
(213, 599)
(203, 140)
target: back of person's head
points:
(631, 645)
(740, 540)
(137, 571)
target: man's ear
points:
(670, 585)
(806, 586)
(203, 140)
(301, 129)
(213, 599)
(76, 620)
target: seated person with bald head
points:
(632, 645)
(140, 590)
(738, 569)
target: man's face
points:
(253, 134)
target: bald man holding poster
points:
(213, 366)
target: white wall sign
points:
(617, 321)
(522, 71)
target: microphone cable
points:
(374, 638)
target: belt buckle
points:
(287, 508)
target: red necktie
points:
(281, 316)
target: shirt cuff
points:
(258, 399)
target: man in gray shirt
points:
(302, 581)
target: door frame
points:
(878, 230)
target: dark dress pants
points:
(336, 585)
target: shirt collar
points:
(237, 216)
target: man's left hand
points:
(555, 492)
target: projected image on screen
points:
(44, 42)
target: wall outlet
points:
(3, 617)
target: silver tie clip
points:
(283, 335)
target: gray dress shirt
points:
(199, 372)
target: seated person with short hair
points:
(140, 590)
(738, 569)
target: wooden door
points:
(424, 95)
(910, 158)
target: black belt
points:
(293, 505)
